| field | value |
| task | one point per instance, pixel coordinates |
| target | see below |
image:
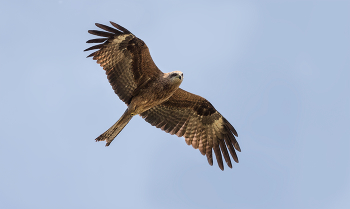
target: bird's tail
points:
(113, 131)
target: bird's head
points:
(175, 77)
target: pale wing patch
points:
(121, 38)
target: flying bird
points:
(157, 98)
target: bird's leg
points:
(113, 131)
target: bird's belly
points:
(144, 104)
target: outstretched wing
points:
(193, 117)
(124, 57)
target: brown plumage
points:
(157, 98)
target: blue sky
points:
(277, 70)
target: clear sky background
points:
(279, 71)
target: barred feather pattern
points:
(205, 130)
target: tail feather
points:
(113, 131)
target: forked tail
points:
(113, 131)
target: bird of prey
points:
(157, 98)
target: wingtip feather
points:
(225, 153)
(229, 126)
(218, 156)
(237, 147)
(100, 33)
(119, 27)
(107, 28)
(97, 40)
